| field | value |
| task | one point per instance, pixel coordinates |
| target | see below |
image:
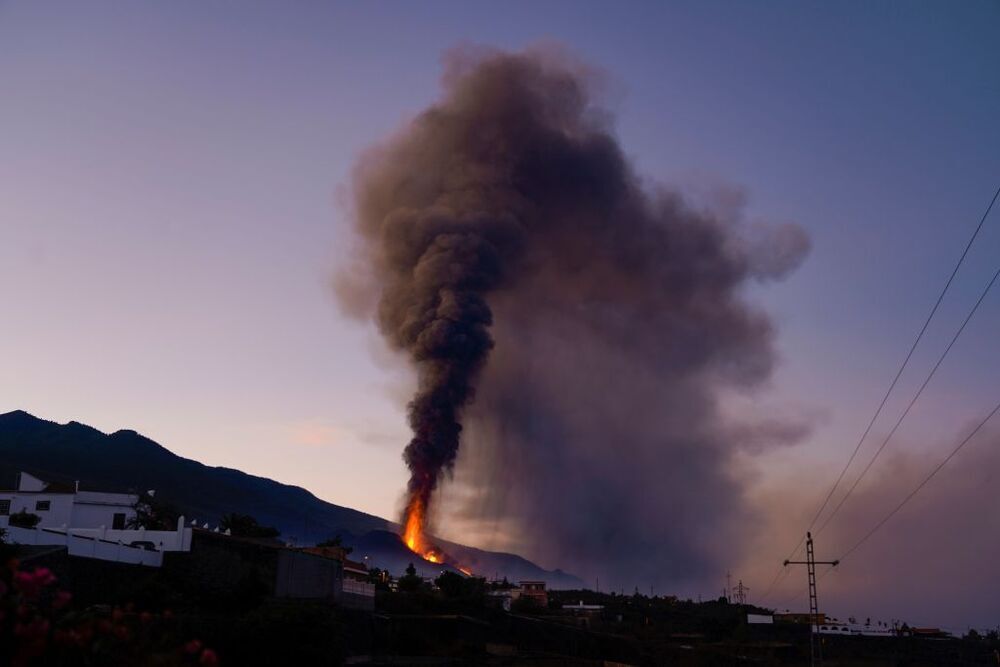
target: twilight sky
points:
(172, 211)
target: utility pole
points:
(741, 593)
(729, 586)
(815, 646)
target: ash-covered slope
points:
(126, 460)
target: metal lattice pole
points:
(815, 646)
(815, 651)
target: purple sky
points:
(173, 180)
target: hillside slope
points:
(126, 460)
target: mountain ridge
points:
(126, 460)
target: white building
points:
(62, 505)
(92, 524)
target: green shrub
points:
(24, 519)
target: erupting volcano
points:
(413, 534)
(416, 540)
(508, 247)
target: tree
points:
(410, 582)
(153, 514)
(454, 585)
(244, 525)
(451, 584)
(24, 519)
(336, 542)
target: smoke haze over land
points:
(571, 326)
(929, 565)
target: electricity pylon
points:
(815, 646)
(741, 593)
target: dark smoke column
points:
(442, 223)
(511, 252)
(437, 312)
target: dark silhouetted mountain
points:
(125, 460)
(128, 461)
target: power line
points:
(922, 483)
(782, 570)
(906, 360)
(892, 385)
(913, 400)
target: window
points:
(118, 522)
(42, 505)
(4, 508)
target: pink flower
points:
(192, 646)
(31, 583)
(208, 658)
(26, 583)
(44, 576)
(61, 599)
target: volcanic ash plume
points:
(511, 251)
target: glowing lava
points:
(413, 537)
(413, 532)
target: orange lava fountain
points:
(413, 537)
(413, 532)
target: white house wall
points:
(60, 510)
(92, 509)
(85, 509)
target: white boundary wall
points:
(88, 547)
(108, 544)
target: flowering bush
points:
(40, 628)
